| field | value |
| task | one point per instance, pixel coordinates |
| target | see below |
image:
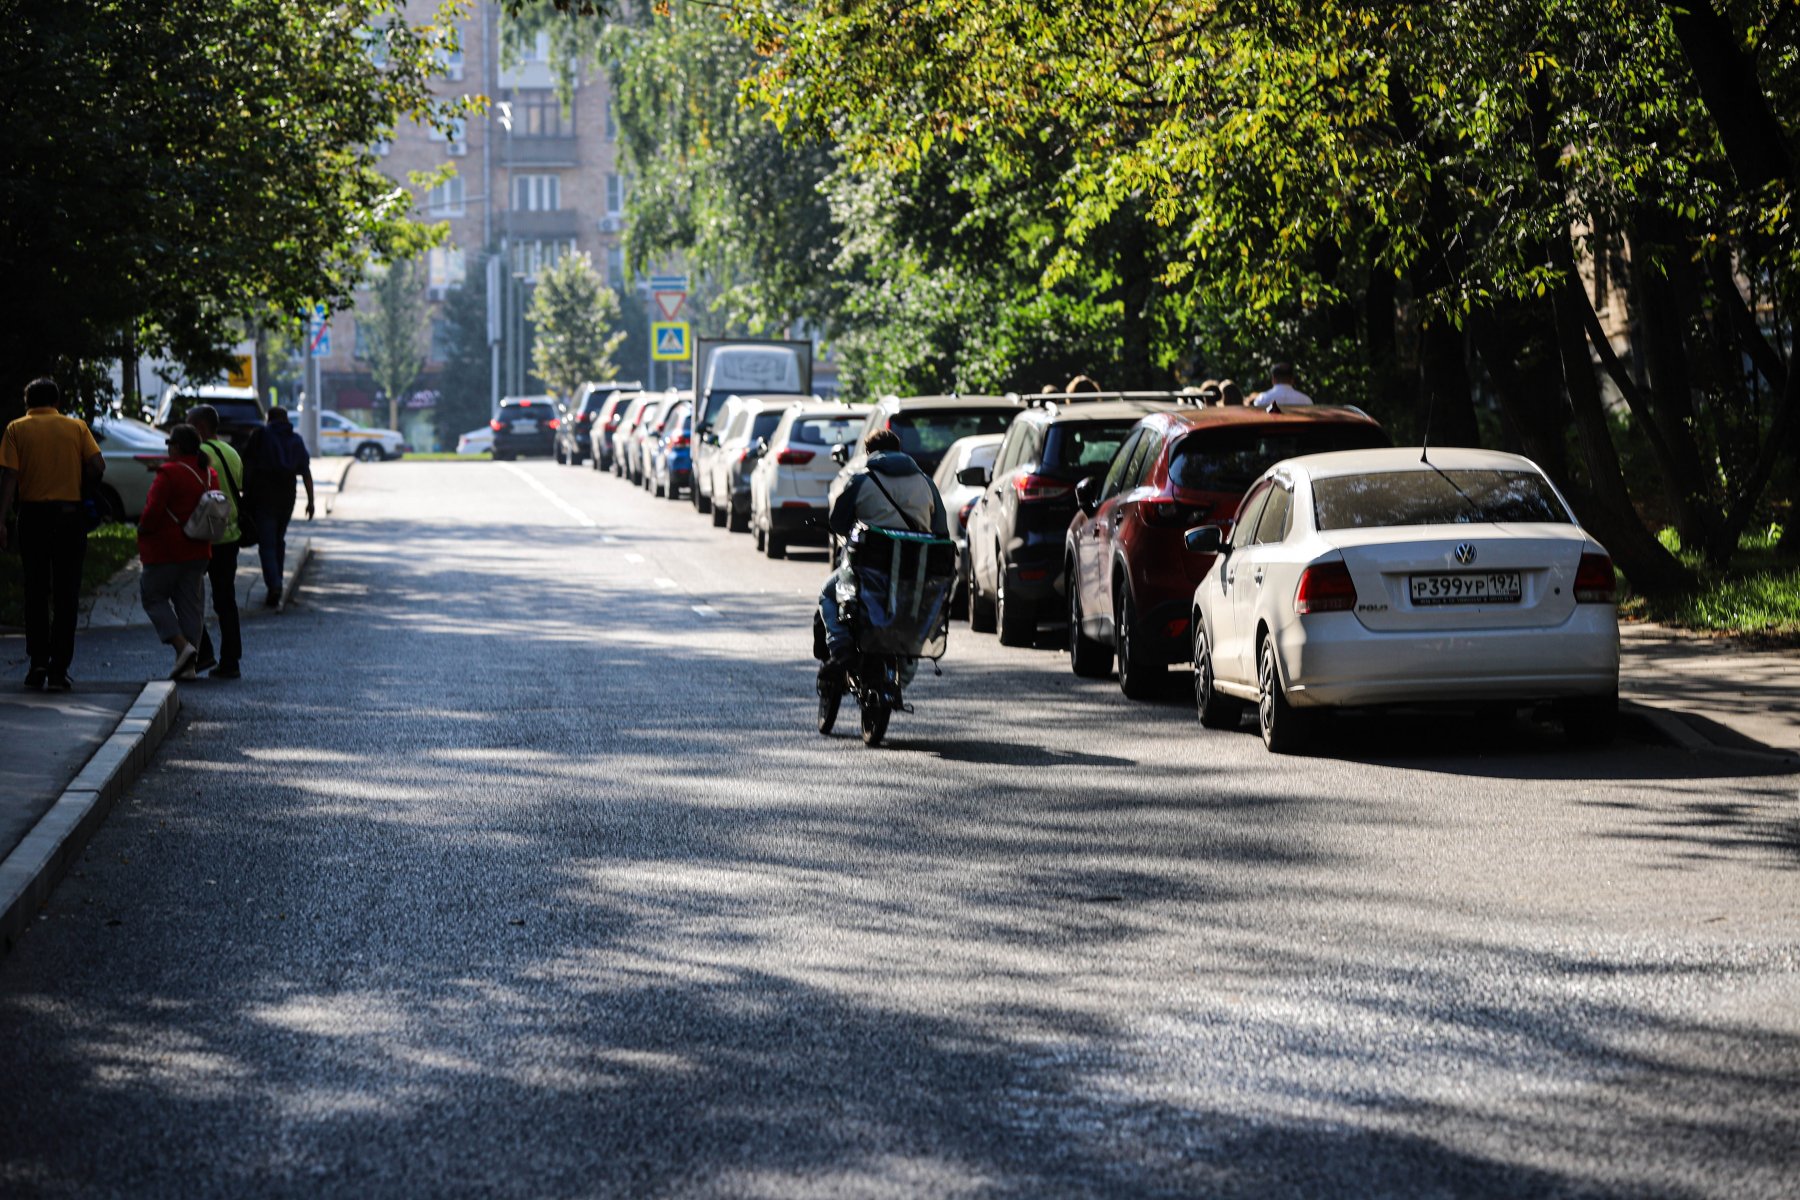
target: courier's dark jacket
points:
(910, 488)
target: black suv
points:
(524, 425)
(1016, 530)
(577, 421)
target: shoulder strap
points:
(904, 516)
(225, 466)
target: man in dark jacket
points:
(273, 458)
(888, 491)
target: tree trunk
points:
(1446, 402)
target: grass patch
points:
(109, 547)
(447, 456)
(1757, 597)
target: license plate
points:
(524, 427)
(1467, 587)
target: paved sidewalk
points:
(45, 740)
(1727, 693)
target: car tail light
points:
(1164, 512)
(555, 423)
(1325, 587)
(962, 514)
(496, 426)
(679, 442)
(794, 458)
(586, 417)
(1032, 488)
(1594, 581)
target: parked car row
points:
(1294, 558)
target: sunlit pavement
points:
(514, 866)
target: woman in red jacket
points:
(173, 585)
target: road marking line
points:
(581, 518)
(663, 581)
(634, 558)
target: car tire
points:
(1285, 730)
(1087, 658)
(720, 518)
(774, 545)
(1015, 620)
(368, 452)
(499, 457)
(1141, 674)
(981, 607)
(1591, 720)
(703, 504)
(1216, 711)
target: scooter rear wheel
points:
(874, 724)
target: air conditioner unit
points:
(458, 149)
(611, 224)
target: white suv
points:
(338, 434)
(793, 474)
(724, 467)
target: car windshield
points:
(128, 435)
(824, 431)
(927, 435)
(1228, 459)
(1429, 497)
(1077, 448)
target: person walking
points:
(1282, 393)
(173, 586)
(273, 458)
(44, 458)
(221, 569)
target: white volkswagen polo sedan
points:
(1372, 577)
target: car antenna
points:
(1425, 442)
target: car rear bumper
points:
(1035, 573)
(1331, 659)
(796, 518)
(525, 444)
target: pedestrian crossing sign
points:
(669, 341)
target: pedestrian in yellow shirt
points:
(44, 457)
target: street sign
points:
(669, 283)
(321, 341)
(669, 303)
(243, 371)
(669, 341)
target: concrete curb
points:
(1676, 728)
(291, 585)
(30, 873)
(338, 489)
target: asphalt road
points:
(514, 866)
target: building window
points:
(615, 267)
(531, 258)
(451, 61)
(363, 347)
(446, 199)
(381, 148)
(446, 267)
(538, 113)
(618, 188)
(537, 193)
(440, 339)
(612, 123)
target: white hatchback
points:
(1372, 577)
(791, 482)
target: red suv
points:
(1131, 579)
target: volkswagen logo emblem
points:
(1465, 553)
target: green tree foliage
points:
(1397, 191)
(175, 168)
(465, 385)
(572, 314)
(396, 331)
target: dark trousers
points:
(272, 517)
(52, 545)
(221, 579)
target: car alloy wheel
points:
(1087, 658)
(1214, 710)
(1284, 731)
(1138, 673)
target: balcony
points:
(539, 151)
(560, 223)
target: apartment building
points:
(535, 180)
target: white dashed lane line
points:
(579, 517)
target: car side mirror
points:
(840, 453)
(973, 477)
(1087, 494)
(1207, 539)
(759, 447)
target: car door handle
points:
(1258, 576)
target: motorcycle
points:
(898, 609)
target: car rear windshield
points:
(1077, 448)
(1428, 497)
(927, 435)
(824, 431)
(1229, 459)
(764, 424)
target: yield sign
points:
(669, 303)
